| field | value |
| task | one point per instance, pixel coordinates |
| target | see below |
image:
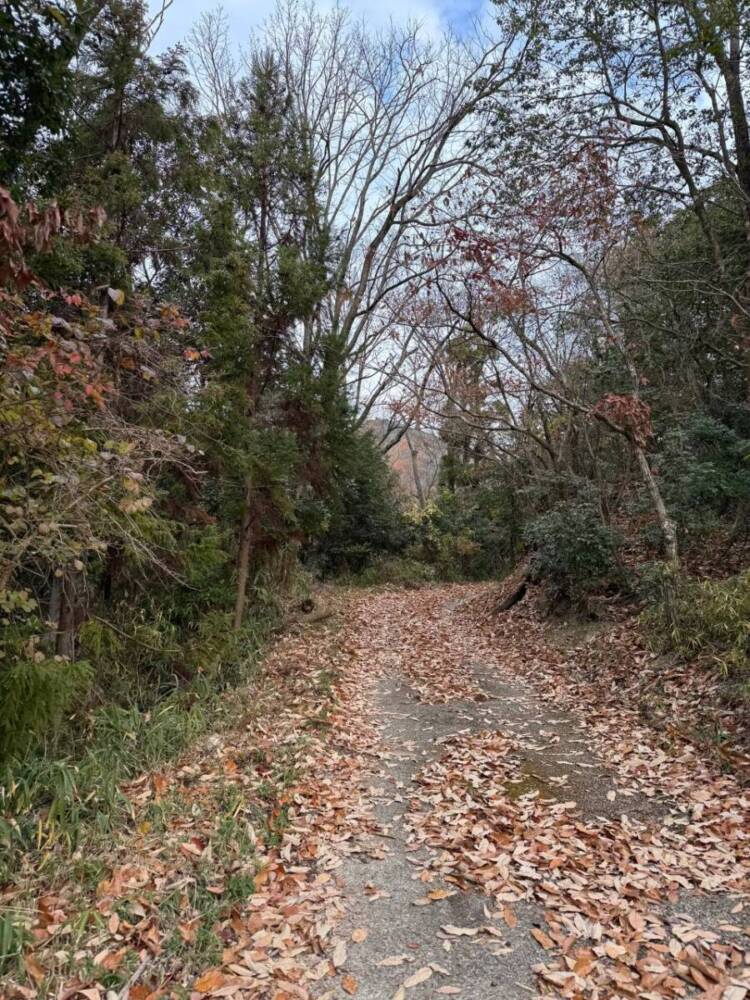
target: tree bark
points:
(67, 626)
(415, 470)
(669, 533)
(53, 611)
(665, 521)
(243, 558)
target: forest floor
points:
(426, 799)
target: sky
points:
(244, 15)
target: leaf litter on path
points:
(613, 890)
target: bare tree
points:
(535, 282)
(391, 117)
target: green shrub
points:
(13, 939)
(60, 794)
(470, 533)
(397, 571)
(573, 551)
(712, 619)
(705, 471)
(62, 779)
(35, 693)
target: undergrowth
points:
(396, 571)
(56, 793)
(712, 621)
(66, 816)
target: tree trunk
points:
(730, 64)
(53, 611)
(669, 533)
(415, 470)
(68, 621)
(243, 558)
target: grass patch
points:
(13, 940)
(80, 829)
(63, 794)
(47, 802)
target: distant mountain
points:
(415, 458)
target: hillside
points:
(415, 458)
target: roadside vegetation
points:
(354, 307)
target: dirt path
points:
(509, 859)
(419, 798)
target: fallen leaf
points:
(544, 940)
(211, 980)
(420, 976)
(339, 954)
(34, 969)
(636, 921)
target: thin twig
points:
(140, 969)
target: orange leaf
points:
(139, 992)
(34, 969)
(212, 980)
(349, 985)
(545, 941)
(160, 784)
(440, 894)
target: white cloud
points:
(244, 15)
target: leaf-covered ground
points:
(431, 799)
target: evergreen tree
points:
(38, 41)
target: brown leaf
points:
(139, 992)
(188, 929)
(544, 940)
(636, 921)
(34, 969)
(614, 950)
(349, 984)
(211, 980)
(420, 976)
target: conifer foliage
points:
(172, 439)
